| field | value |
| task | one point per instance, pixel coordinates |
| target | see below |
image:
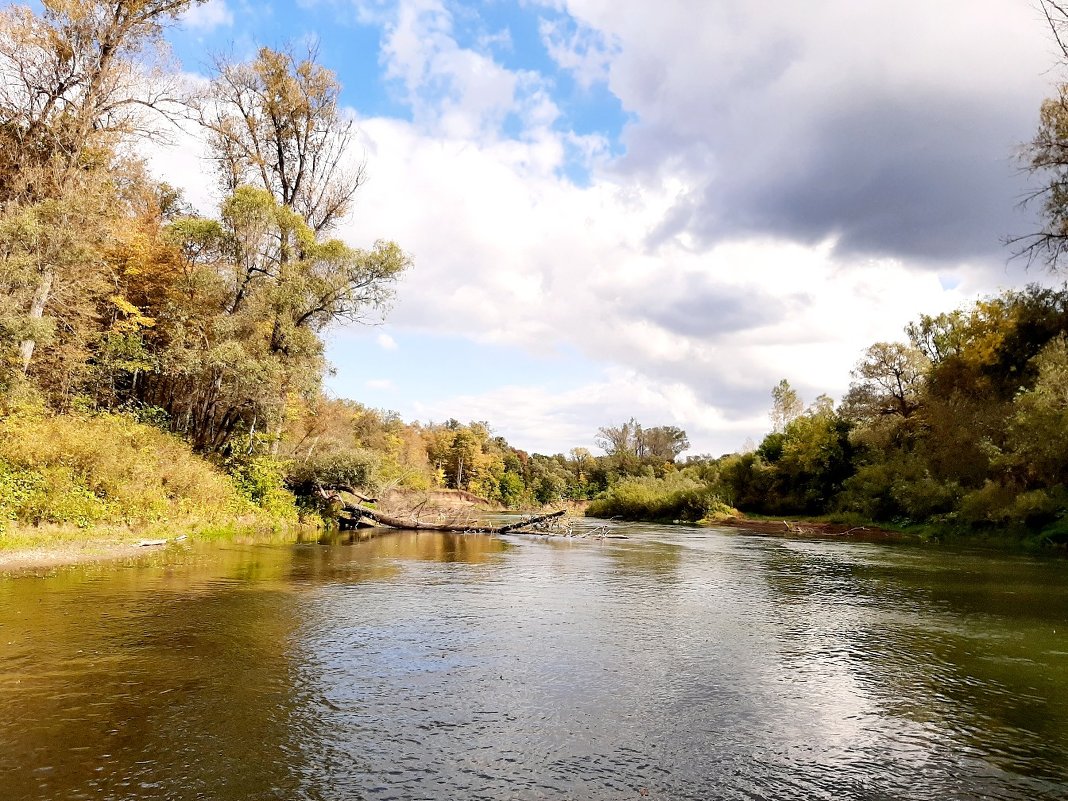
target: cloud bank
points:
(789, 185)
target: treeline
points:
(133, 326)
(965, 424)
(345, 442)
(121, 300)
(962, 427)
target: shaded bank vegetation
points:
(963, 426)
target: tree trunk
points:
(359, 510)
(37, 307)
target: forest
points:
(157, 364)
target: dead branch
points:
(358, 510)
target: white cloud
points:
(209, 16)
(386, 342)
(691, 330)
(507, 251)
(455, 91)
(379, 383)
(585, 52)
(544, 421)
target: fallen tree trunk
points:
(358, 510)
(354, 492)
(419, 525)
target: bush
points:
(900, 490)
(260, 479)
(355, 468)
(1000, 505)
(104, 469)
(673, 497)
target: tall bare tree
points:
(275, 123)
(1046, 158)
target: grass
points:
(68, 480)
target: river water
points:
(681, 663)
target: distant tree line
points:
(963, 425)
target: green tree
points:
(1038, 428)
(888, 381)
(620, 443)
(786, 405)
(664, 443)
(80, 80)
(275, 123)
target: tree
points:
(275, 123)
(938, 337)
(80, 79)
(1038, 427)
(619, 442)
(889, 381)
(786, 405)
(242, 345)
(664, 443)
(280, 141)
(1046, 158)
(48, 248)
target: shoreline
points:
(815, 528)
(52, 548)
(55, 547)
(26, 550)
(22, 561)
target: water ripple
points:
(678, 664)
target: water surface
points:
(679, 664)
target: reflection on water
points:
(681, 663)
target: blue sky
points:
(656, 210)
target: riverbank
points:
(815, 528)
(46, 558)
(30, 550)
(36, 549)
(1005, 540)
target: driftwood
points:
(419, 525)
(352, 491)
(413, 524)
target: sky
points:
(622, 209)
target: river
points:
(681, 663)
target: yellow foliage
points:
(106, 469)
(134, 318)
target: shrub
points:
(997, 504)
(260, 479)
(900, 489)
(107, 468)
(356, 468)
(673, 497)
